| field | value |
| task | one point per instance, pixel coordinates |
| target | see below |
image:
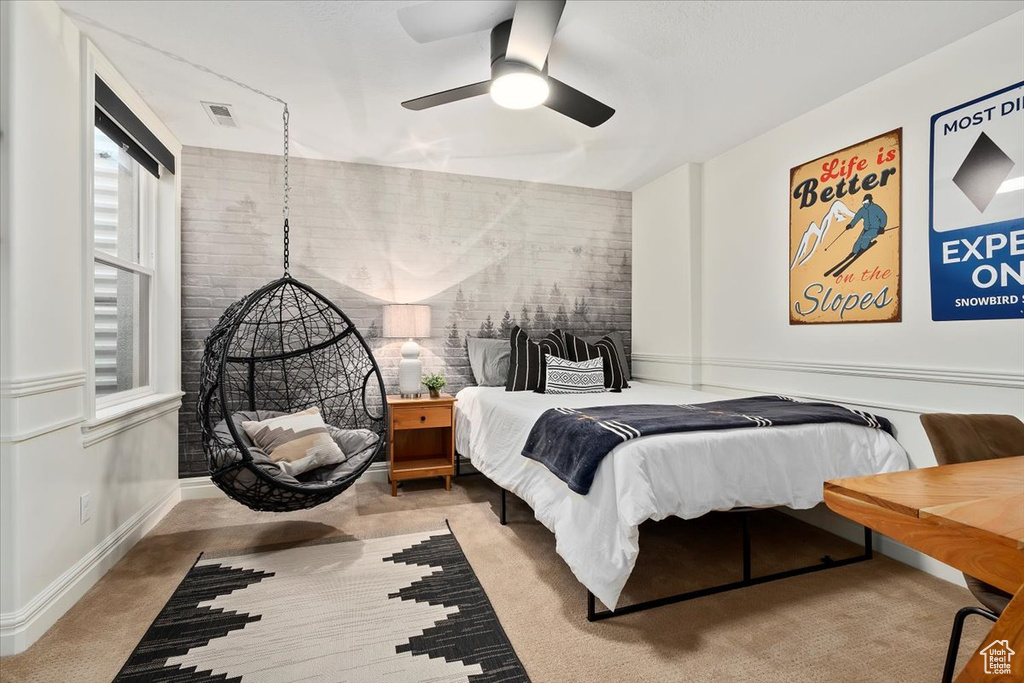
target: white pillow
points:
(568, 377)
(297, 442)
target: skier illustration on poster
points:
(875, 219)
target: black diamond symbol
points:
(982, 172)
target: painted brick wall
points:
(483, 253)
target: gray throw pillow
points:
(620, 349)
(489, 359)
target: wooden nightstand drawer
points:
(422, 418)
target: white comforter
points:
(686, 475)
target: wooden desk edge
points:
(831, 487)
(836, 486)
(998, 564)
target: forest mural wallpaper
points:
(485, 254)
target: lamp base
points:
(410, 371)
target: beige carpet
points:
(874, 621)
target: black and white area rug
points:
(399, 608)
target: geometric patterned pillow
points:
(570, 377)
(297, 442)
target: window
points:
(130, 257)
(127, 160)
(123, 214)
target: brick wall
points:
(482, 252)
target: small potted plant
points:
(434, 382)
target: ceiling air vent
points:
(220, 114)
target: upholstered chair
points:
(968, 438)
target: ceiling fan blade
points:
(533, 29)
(440, 19)
(448, 96)
(576, 105)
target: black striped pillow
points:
(556, 339)
(576, 350)
(527, 362)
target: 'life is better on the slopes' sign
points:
(844, 234)
(976, 234)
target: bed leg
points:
(745, 517)
(504, 520)
(868, 549)
(591, 607)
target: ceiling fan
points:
(519, 69)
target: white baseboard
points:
(195, 488)
(18, 630)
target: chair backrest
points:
(967, 438)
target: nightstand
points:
(422, 439)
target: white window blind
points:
(121, 276)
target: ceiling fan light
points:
(519, 90)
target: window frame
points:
(157, 390)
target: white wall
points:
(52, 447)
(898, 370)
(904, 367)
(666, 285)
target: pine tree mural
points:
(541, 321)
(453, 350)
(495, 247)
(561, 320)
(461, 306)
(580, 315)
(555, 297)
(536, 294)
(486, 329)
(456, 358)
(505, 331)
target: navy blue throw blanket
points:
(572, 443)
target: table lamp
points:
(408, 321)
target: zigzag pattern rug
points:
(399, 608)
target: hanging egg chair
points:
(282, 349)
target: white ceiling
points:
(689, 80)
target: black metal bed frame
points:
(826, 562)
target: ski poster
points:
(976, 208)
(845, 236)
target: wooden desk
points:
(969, 515)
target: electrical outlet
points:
(85, 507)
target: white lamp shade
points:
(406, 321)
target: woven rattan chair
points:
(281, 349)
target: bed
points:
(685, 474)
